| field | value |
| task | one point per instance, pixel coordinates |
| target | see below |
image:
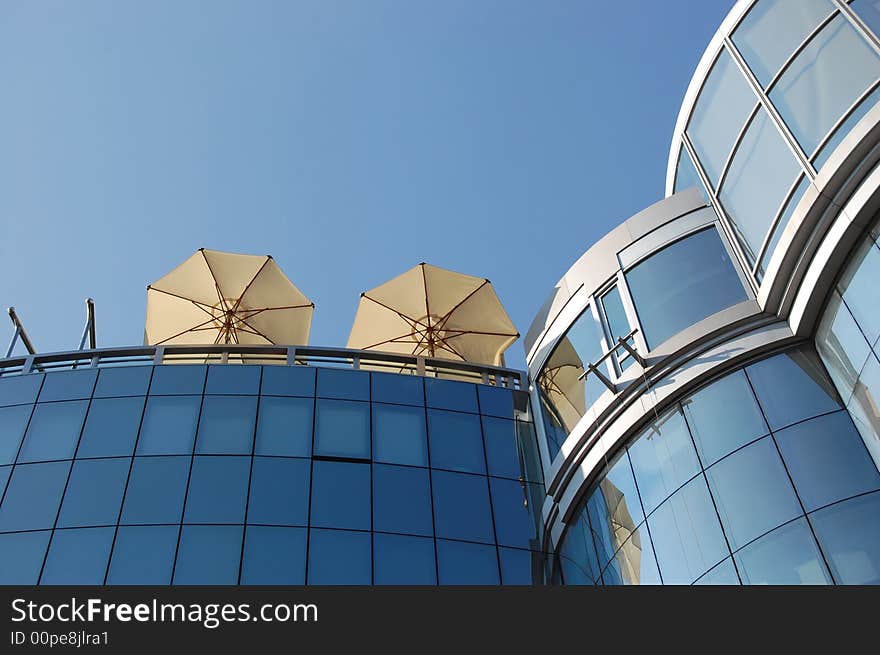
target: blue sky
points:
(350, 139)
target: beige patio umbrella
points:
(219, 297)
(434, 312)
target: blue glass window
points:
(208, 554)
(341, 495)
(233, 379)
(723, 574)
(155, 490)
(617, 322)
(20, 389)
(456, 441)
(284, 427)
(342, 428)
(217, 490)
(516, 567)
(860, 290)
(94, 492)
(13, 421)
(21, 557)
(577, 554)
(143, 555)
(514, 523)
(32, 497)
(169, 426)
(527, 441)
(502, 447)
(343, 383)
(850, 536)
(5, 472)
(614, 508)
(401, 500)
(686, 175)
(634, 563)
(288, 381)
(78, 557)
(495, 401)
(461, 507)
(461, 563)
(226, 425)
(786, 556)
(178, 379)
(123, 381)
(274, 556)
(399, 435)
(399, 560)
(339, 557)
(53, 431)
(399, 389)
(111, 427)
(279, 491)
(449, 394)
(69, 385)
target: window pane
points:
(78, 557)
(217, 490)
(850, 536)
(786, 556)
(5, 472)
(663, 459)
(528, 442)
(143, 554)
(341, 495)
(791, 204)
(111, 427)
(342, 429)
(516, 567)
(577, 553)
(686, 175)
(13, 421)
(502, 448)
(456, 441)
(339, 557)
(21, 557)
(686, 534)
(288, 381)
(53, 431)
(461, 507)
(447, 394)
(462, 563)
(614, 509)
(495, 401)
(842, 129)
(401, 560)
(178, 379)
(226, 425)
(752, 492)
(402, 500)
(723, 574)
(860, 290)
(69, 385)
(279, 491)
(208, 554)
(723, 417)
(634, 563)
(399, 435)
(20, 389)
(123, 381)
(682, 284)
(284, 427)
(32, 496)
(514, 522)
(400, 389)
(618, 323)
(792, 387)
(841, 345)
(155, 490)
(94, 492)
(342, 383)
(869, 12)
(274, 556)
(233, 379)
(169, 426)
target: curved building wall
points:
(224, 474)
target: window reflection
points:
(850, 536)
(77, 557)
(786, 556)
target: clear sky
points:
(350, 139)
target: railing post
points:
(420, 366)
(224, 357)
(28, 365)
(159, 355)
(356, 363)
(291, 355)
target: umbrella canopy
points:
(434, 312)
(562, 384)
(220, 297)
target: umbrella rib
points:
(257, 332)
(174, 336)
(408, 319)
(461, 302)
(427, 307)
(213, 277)
(248, 285)
(198, 304)
(482, 333)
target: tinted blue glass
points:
(169, 426)
(850, 536)
(94, 492)
(20, 389)
(448, 394)
(724, 416)
(614, 511)
(400, 389)
(686, 175)
(69, 385)
(279, 491)
(461, 507)
(341, 495)
(495, 401)
(233, 379)
(21, 557)
(858, 286)
(634, 563)
(827, 460)
(786, 556)
(178, 379)
(869, 12)
(143, 554)
(514, 524)
(663, 458)
(399, 435)
(401, 560)
(111, 427)
(516, 567)
(791, 387)
(13, 421)
(461, 563)
(456, 441)
(274, 556)
(752, 492)
(53, 431)
(78, 557)
(123, 381)
(155, 490)
(527, 440)
(288, 381)
(5, 472)
(343, 383)
(723, 574)
(577, 554)
(208, 554)
(32, 496)
(339, 557)
(401, 500)
(226, 425)
(284, 427)
(618, 323)
(502, 448)
(342, 428)
(217, 490)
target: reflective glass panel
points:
(143, 554)
(456, 441)
(13, 421)
(155, 490)
(342, 428)
(869, 12)
(226, 425)
(516, 567)
(20, 389)
(502, 447)
(274, 556)
(686, 175)
(400, 389)
(614, 508)
(169, 426)
(461, 563)
(495, 401)
(843, 129)
(860, 290)
(94, 492)
(790, 207)
(577, 553)
(786, 556)
(69, 385)
(32, 496)
(461, 507)
(284, 427)
(5, 472)
(288, 381)
(208, 555)
(111, 427)
(723, 574)
(233, 379)
(53, 431)
(279, 491)
(78, 557)
(399, 435)
(527, 439)
(178, 379)
(634, 563)
(343, 383)
(339, 557)
(399, 560)
(841, 345)
(402, 500)
(123, 381)
(21, 556)
(217, 490)
(850, 536)
(514, 523)
(448, 394)
(341, 495)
